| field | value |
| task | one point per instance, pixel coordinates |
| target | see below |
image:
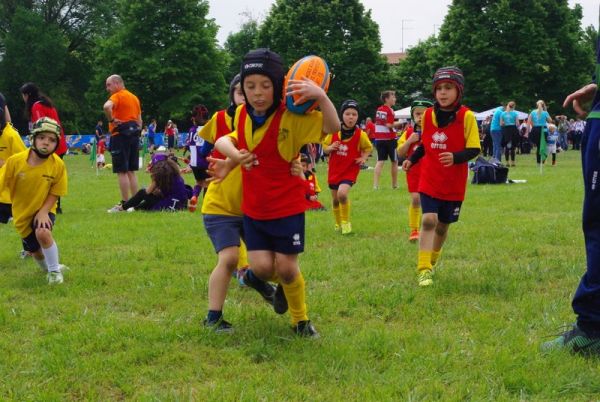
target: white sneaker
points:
(55, 278)
(116, 208)
(24, 254)
(132, 209)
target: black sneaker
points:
(574, 341)
(280, 304)
(266, 290)
(220, 326)
(306, 329)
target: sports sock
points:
(424, 260)
(336, 214)
(414, 217)
(42, 263)
(214, 316)
(435, 256)
(196, 192)
(256, 283)
(296, 298)
(51, 256)
(345, 211)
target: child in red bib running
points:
(268, 139)
(449, 139)
(407, 144)
(311, 185)
(348, 149)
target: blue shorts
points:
(224, 231)
(30, 243)
(337, 185)
(283, 235)
(5, 212)
(447, 211)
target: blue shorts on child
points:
(30, 243)
(224, 231)
(447, 211)
(283, 235)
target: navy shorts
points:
(5, 212)
(125, 153)
(337, 185)
(447, 211)
(30, 243)
(386, 149)
(283, 235)
(200, 173)
(224, 231)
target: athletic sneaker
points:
(55, 278)
(425, 278)
(574, 341)
(24, 254)
(116, 208)
(346, 228)
(306, 329)
(193, 203)
(219, 326)
(280, 304)
(267, 293)
(414, 236)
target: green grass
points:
(126, 325)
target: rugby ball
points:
(313, 68)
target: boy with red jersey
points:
(450, 138)
(385, 138)
(407, 144)
(348, 149)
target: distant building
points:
(394, 58)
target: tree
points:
(166, 52)
(341, 32)
(515, 49)
(238, 44)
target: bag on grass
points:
(488, 173)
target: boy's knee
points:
(43, 235)
(429, 222)
(441, 228)
(343, 198)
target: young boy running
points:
(35, 178)
(385, 138)
(348, 149)
(407, 144)
(449, 139)
(268, 139)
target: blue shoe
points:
(574, 341)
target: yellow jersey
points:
(10, 144)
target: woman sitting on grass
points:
(166, 192)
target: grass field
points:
(126, 324)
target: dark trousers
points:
(586, 303)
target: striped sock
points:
(296, 298)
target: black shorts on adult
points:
(30, 243)
(283, 235)
(200, 173)
(171, 141)
(447, 211)
(5, 212)
(125, 153)
(386, 149)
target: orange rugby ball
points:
(313, 68)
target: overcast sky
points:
(402, 23)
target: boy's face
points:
(238, 95)
(391, 100)
(418, 115)
(446, 94)
(46, 143)
(259, 92)
(304, 166)
(350, 117)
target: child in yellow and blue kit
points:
(268, 138)
(35, 178)
(450, 138)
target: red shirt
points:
(384, 116)
(413, 175)
(443, 182)
(342, 162)
(370, 130)
(38, 110)
(222, 129)
(269, 191)
(100, 148)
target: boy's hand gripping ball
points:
(313, 68)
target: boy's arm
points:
(308, 90)
(42, 219)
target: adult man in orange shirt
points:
(124, 115)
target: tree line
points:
(167, 53)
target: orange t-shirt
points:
(126, 107)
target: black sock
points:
(214, 316)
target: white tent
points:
(484, 114)
(402, 113)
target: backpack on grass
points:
(486, 172)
